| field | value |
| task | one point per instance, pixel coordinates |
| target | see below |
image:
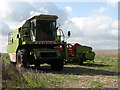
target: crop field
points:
(102, 73)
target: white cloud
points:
(43, 10)
(4, 8)
(4, 28)
(15, 11)
(32, 13)
(3, 43)
(114, 32)
(95, 26)
(49, 8)
(68, 9)
(102, 9)
(95, 44)
(112, 3)
(95, 31)
(115, 24)
(69, 25)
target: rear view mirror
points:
(69, 33)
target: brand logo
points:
(44, 42)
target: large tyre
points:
(21, 59)
(57, 65)
(19, 63)
(81, 63)
(37, 65)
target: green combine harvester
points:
(38, 40)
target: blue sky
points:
(93, 24)
(85, 9)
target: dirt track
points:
(83, 76)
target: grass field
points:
(103, 73)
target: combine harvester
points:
(38, 40)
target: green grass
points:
(96, 84)
(100, 74)
(47, 80)
(11, 78)
(105, 63)
(5, 58)
(31, 82)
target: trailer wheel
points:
(57, 65)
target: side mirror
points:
(69, 33)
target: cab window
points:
(10, 37)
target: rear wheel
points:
(81, 63)
(37, 65)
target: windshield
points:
(45, 30)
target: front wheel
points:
(21, 59)
(19, 63)
(57, 65)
